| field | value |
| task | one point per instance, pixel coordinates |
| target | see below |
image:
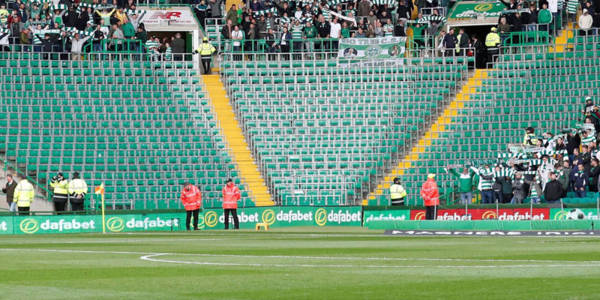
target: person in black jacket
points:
(594, 173)
(9, 190)
(553, 190)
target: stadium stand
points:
(544, 90)
(323, 131)
(141, 127)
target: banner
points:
(377, 217)
(166, 19)
(504, 214)
(286, 216)
(382, 47)
(91, 223)
(476, 9)
(574, 214)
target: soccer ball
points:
(575, 214)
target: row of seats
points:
(333, 125)
(142, 128)
(543, 91)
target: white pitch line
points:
(152, 258)
(146, 256)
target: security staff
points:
(61, 192)
(77, 190)
(206, 51)
(492, 42)
(24, 194)
(231, 194)
(397, 192)
(192, 202)
(431, 197)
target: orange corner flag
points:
(100, 189)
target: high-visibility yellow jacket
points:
(492, 40)
(60, 187)
(397, 191)
(24, 193)
(206, 49)
(78, 187)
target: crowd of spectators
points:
(547, 166)
(77, 27)
(284, 24)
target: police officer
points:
(192, 201)
(61, 192)
(231, 194)
(397, 192)
(77, 190)
(206, 51)
(23, 196)
(492, 42)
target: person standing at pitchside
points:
(431, 197)
(231, 194)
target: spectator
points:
(364, 8)
(480, 53)
(544, 18)
(227, 30)
(99, 36)
(486, 178)
(504, 29)
(178, 45)
(141, 34)
(215, 8)
(400, 29)
(284, 40)
(76, 46)
(450, 42)
(518, 189)
(465, 184)
(594, 174)
(579, 179)
(535, 190)
(9, 190)
(463, 42)
(237, 36)
(553, 190)
(585, 23)
(335, 32)
(345, 30)
(232, 15)
(388, 28)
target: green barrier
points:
(91, 223)
(287, 216)
(488, 225)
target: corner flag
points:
(100, 189)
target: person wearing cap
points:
(192, 202)
(60, 194)
(431, 197)
(492, 42)
(206, 51)
(24, 194)
(77, 190)
(397, 192)
(231, 194)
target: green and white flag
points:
(373, 48)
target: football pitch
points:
(298, 263)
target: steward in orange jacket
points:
(192, 201)
(431, 197)
(231, 194)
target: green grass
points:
(300, 263)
